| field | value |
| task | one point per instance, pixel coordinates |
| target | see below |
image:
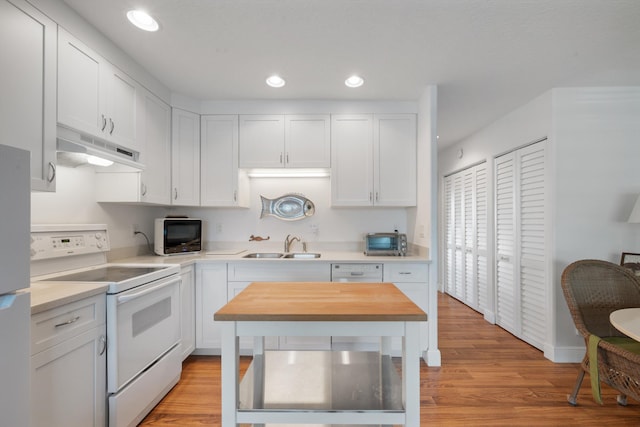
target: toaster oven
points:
(388, 244)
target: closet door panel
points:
(481, 237)
(532, 190)
(449, 233)
(505, 211)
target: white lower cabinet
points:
(211, 295)
(68, 365)
(412, 279)
(187, 311)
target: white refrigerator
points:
(15, 300)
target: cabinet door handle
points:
(143, 189)
(103, 345)
(52, 172)
(113, 126)
(370, 196)
(287, 158)
(104, 123)
(68, 322)
(377, 197)
(280, 158)
(175, 194)
(235, 195)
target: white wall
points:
(420, 217)
(597, 181)
(74, 202)
(332, 224)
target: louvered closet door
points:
(458, 288)
(532, 162)
(506, 298)
(465, 199)
(449, 233)
(469, 230)
(520, 243)
(481, 237)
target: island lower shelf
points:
(309, 381)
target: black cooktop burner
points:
(111, 274)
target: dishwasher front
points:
(356, 272)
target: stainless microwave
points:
(175, 236)
(393, 244)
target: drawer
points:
(406, 272)
(51, 327)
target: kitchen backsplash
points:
(74, 202)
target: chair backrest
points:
(593, 289)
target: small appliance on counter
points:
(385, 244)
(176, 235)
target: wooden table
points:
(627, 321)
(321, 309)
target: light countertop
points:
(213, 255)
(48, 295)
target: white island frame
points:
(321, 309)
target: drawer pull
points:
(404, 272)
(68, 322)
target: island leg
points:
(411, 373)
(230, 366)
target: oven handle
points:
(131, 296)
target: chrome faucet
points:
(288, 241)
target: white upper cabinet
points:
(394, 159)
(155, 134)
(28, 87)
(307, 141)
(94, 96)
(261, 141)
(185, 158)
(352, 160)
(373, 160)
(277, 141)
(221, 182)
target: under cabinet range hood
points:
(75, 149)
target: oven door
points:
(143, 323)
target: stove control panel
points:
(54, 241)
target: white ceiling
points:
(487, 57)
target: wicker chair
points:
(593, 289)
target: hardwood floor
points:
(487, 378)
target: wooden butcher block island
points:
(321, 387)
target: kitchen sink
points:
(303, 255)
(263, 255)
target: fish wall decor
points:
(290, 207)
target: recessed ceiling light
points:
(142, 20)
(275, 81)
(354, 81)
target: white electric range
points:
(143, 313)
